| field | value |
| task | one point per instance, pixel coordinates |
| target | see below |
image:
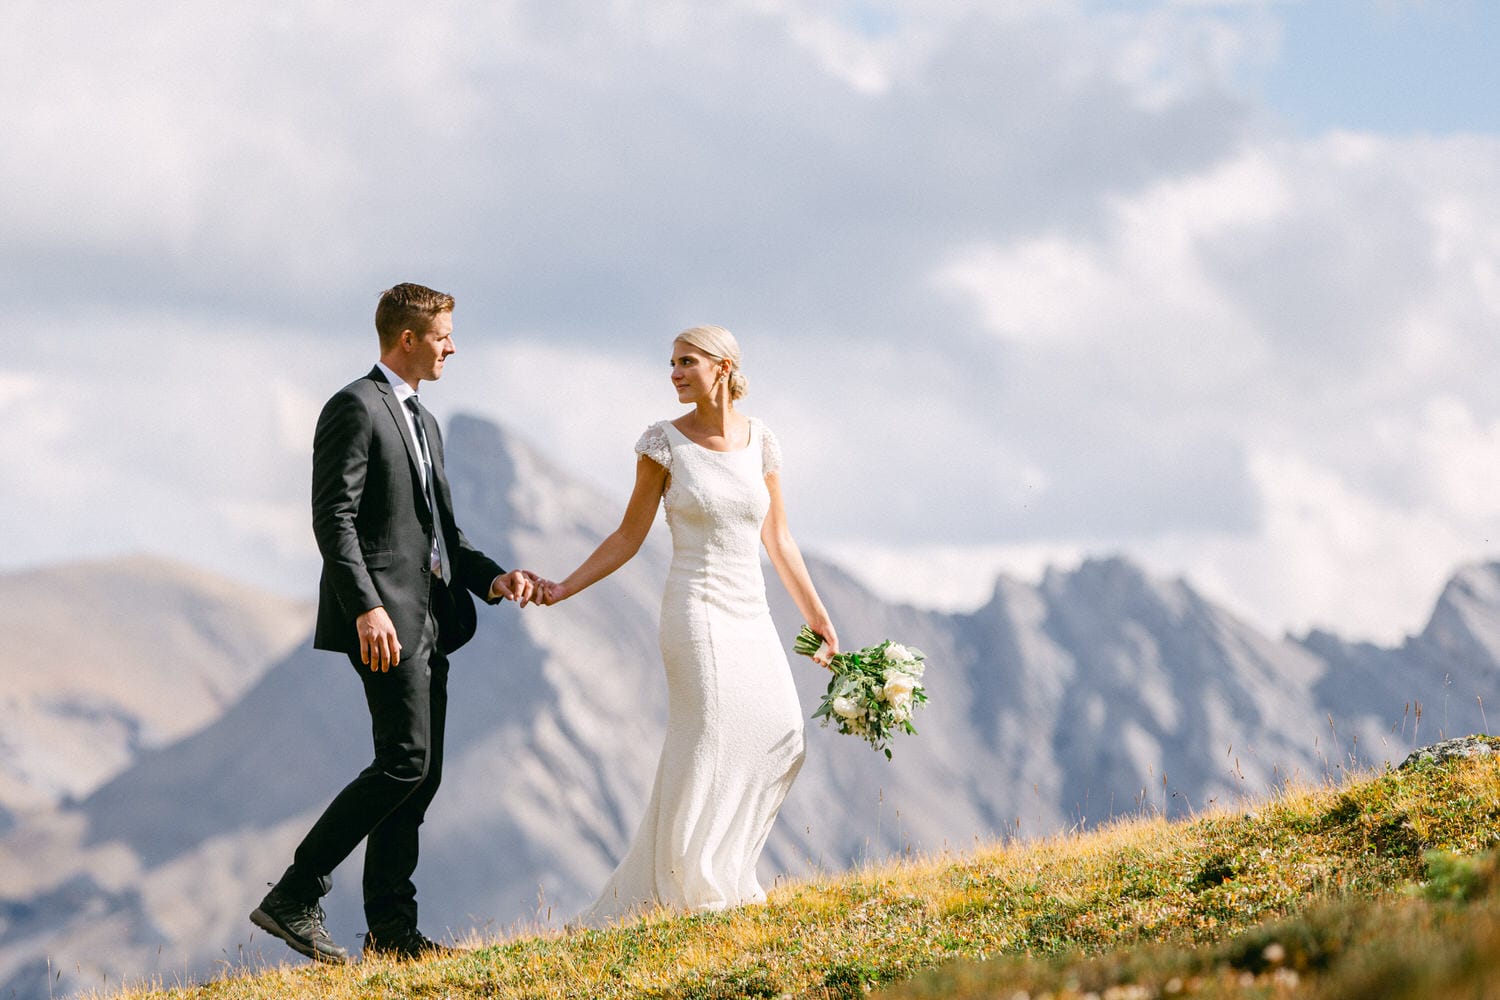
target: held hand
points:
(543, 589)
(518, 585)
(378, 645)
(552, 593)
(536, 586)
(539, 585)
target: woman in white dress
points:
(734, 738)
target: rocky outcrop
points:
(1462, 748)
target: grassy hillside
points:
(1319, 892)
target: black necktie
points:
(440, 549)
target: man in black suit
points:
(394, 597)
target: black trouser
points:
(385, 804)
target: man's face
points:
(432, 348)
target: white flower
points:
(847, 708)
(898, 688)
(897, 653)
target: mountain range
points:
(1096, 692)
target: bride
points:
(734, 725)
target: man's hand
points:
(518, 585)
(378, 645)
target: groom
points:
(394, 597)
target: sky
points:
(1210, 285)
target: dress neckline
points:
(714, 451)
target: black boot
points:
(404, 943)
(300, 925)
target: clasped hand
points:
(525, 587)
(548, 593)
(518, 585)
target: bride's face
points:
(693, 372)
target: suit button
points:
(424, 569)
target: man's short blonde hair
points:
(408, 307)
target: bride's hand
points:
(830, 648)
(550, 593)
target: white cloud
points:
(1049, 266)
(1318, 308)
(841, 49)
(955, 578)
(157, 433)
(1143, 292)
(1330, 555)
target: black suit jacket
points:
(373, 526)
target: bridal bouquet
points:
(872, 692)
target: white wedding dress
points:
(734, 738)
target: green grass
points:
(1386, 881)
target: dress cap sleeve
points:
(654, 445)
(770, 451)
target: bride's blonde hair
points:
(719, 344)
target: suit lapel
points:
(398, 414)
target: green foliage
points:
(847, 980)
(1455, 878)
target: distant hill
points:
(1094, 693)
(118, 656)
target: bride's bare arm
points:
(625, 541)
(787, 558)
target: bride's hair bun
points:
(720, 345)
(738, 383)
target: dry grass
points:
(1138, 906)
